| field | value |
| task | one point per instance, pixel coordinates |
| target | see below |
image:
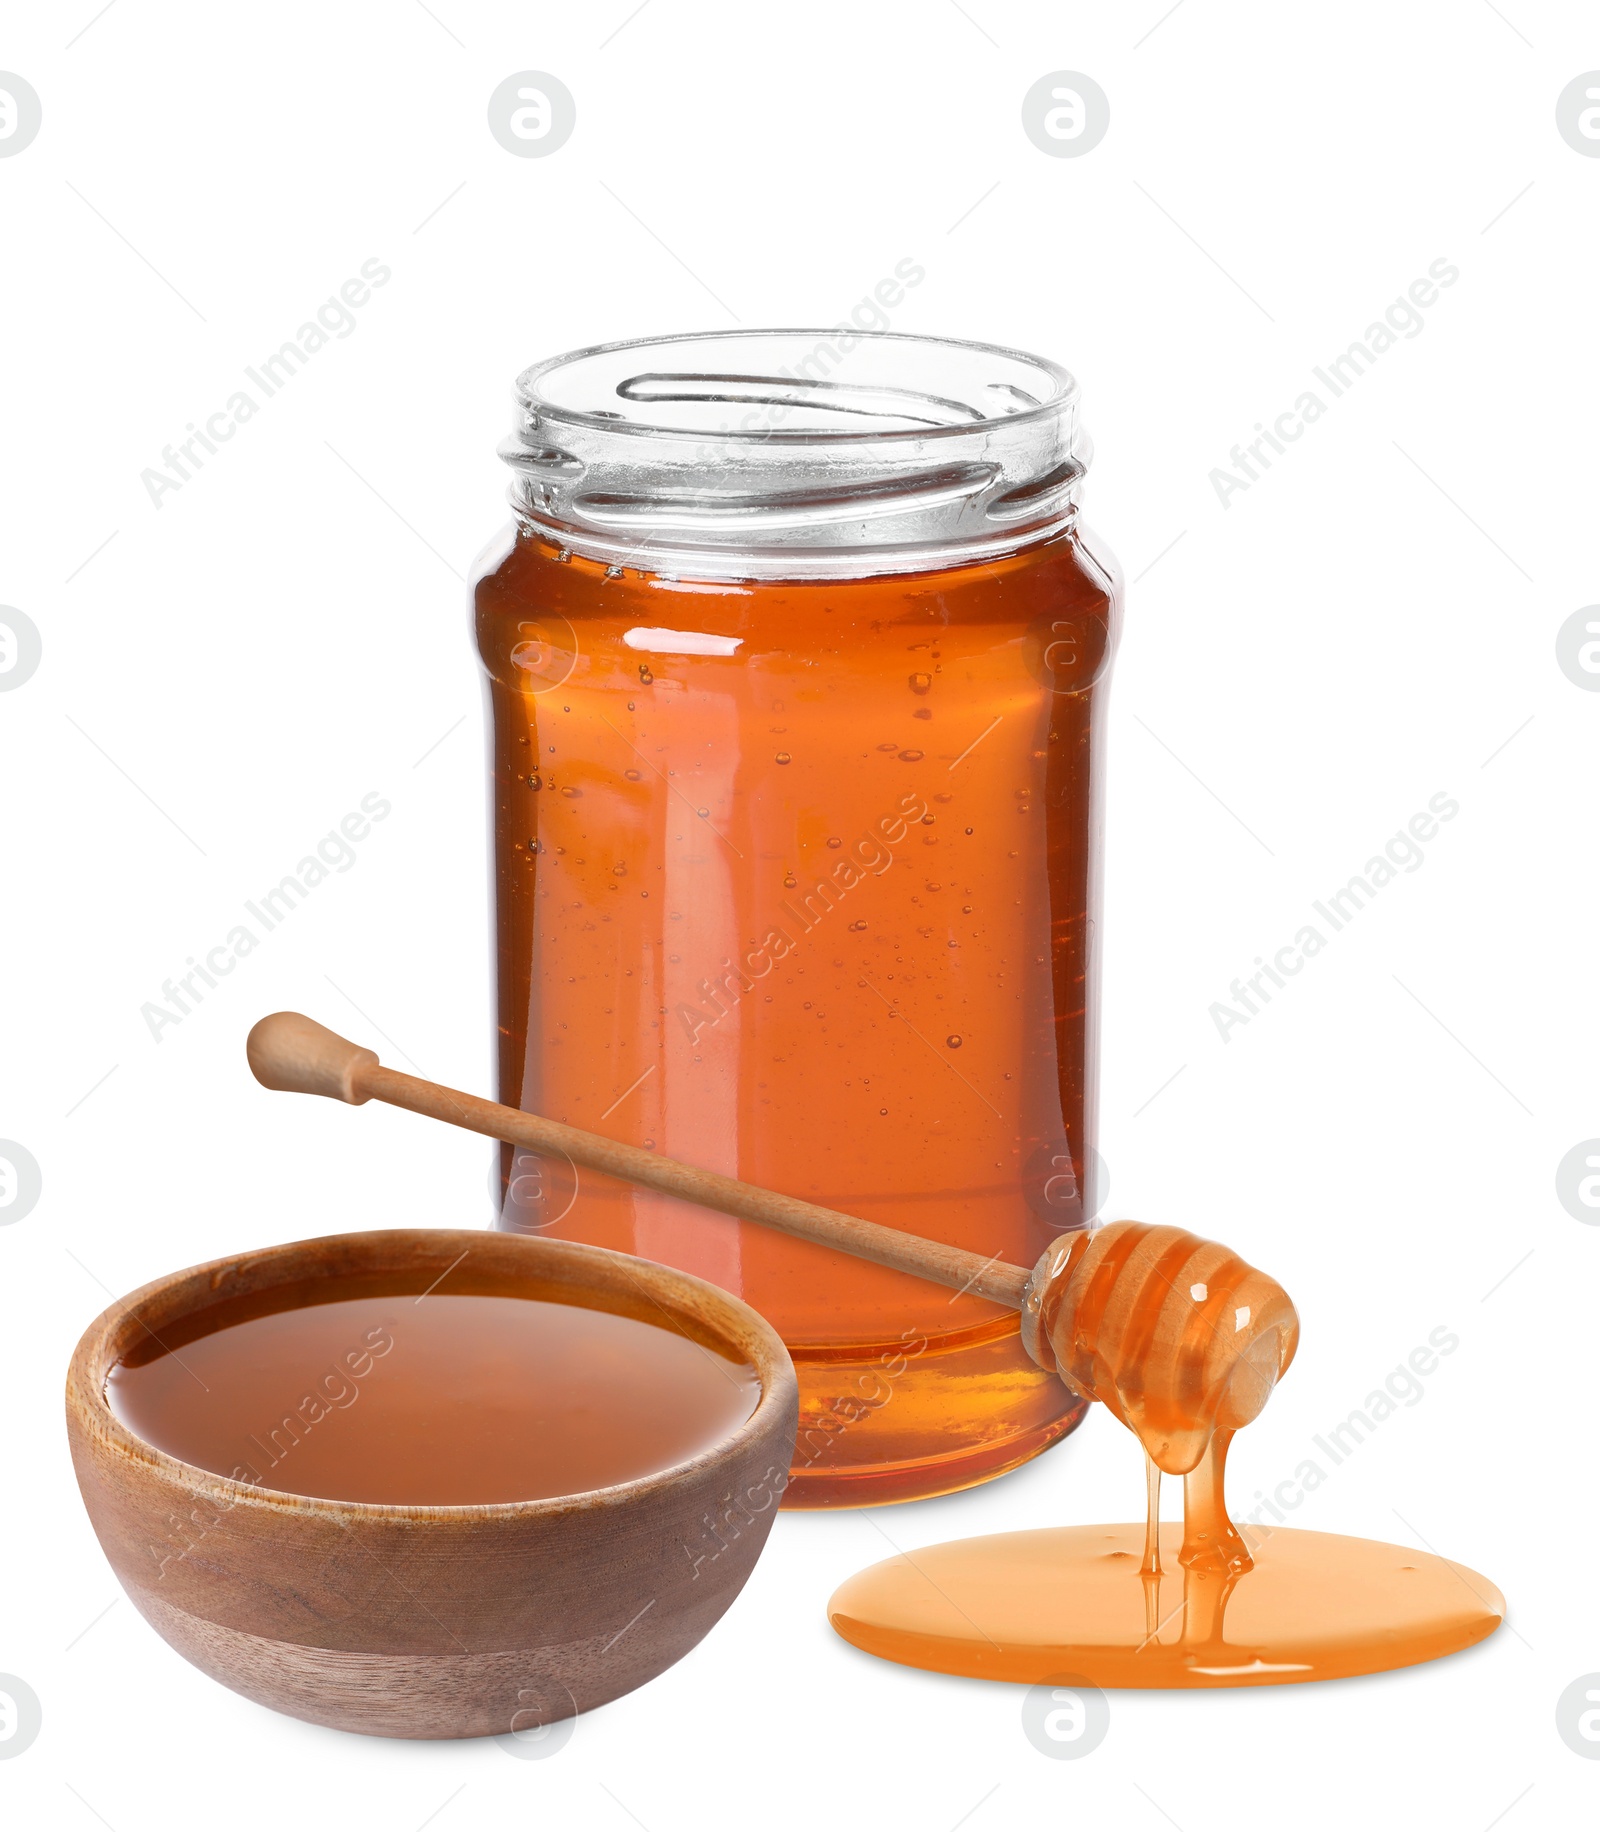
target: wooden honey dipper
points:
(1176, 1335)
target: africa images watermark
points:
(1402, 853)
(803, 911)
(1402, 319)
(1402, 1386)
(334, 1390)
(335, 853)
(335, 318)
(816, 1438)
(792, 385)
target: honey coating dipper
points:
(1179, 1337)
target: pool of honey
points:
(814, 906)
(1185, 1343)
(438, 1397)
(1071, 1603)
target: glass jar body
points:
(797, 879)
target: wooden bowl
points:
(409, 1621)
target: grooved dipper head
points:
(1176, 1335)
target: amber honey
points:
(436, 1398)
(1070, 1604)
(1185, 1343)
(797, 881)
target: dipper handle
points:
(295, 1055)
(1177, 1335)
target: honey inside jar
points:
(820, 923)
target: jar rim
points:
(1061, 400)
(877, 451)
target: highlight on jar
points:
(797, 679)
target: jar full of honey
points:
(797, 656)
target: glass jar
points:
(796, 659)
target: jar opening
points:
(796, 453)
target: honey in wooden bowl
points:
(442, 1398)
(428, 1616)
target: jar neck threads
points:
(796, 454)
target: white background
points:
(1370, 623)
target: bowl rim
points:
(89, 1411)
